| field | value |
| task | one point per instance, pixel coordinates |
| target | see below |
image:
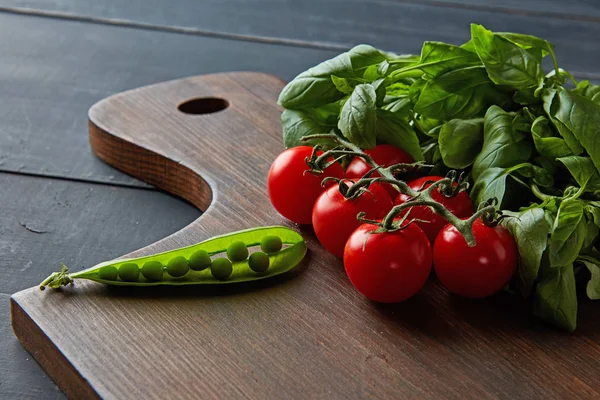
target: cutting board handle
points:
(207, 139)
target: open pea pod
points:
(254, 254)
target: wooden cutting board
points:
(309, 334)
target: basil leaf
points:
(393, 129)
(490, 184)
(568, 233)
(459, 93)
(297, 124)
(314, 88)
(504, 145)
(589, 90)
(400, 105)
(506, 63)
(545, 143)
(583, 171)
(363, 56)
(555, 297)
(530, 231)
(539, 175)
(358, 118)
(528, 42)
(342, 84)
(397, 89)
(438, 57)
(593, 286)
(591, 231)
(578, 116)
(460, 141)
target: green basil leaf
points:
(342, 84)
(490, 184)
(593, 286)
(460, 141)
(358, 118)
(460, 93)
(428, 126)
(399, 105)
(363, 56)
(393, 129)
(568, 233)
(589, 90)
(314, 88)
(528, 42)
(591, 232)
(396, 62)
(540, 176)
(530, 230)
(380, 90)
(438, 57)
(506, 63)
(544, 141)
(577, 116)
(397, 89)
(297, 124)
(583, 171)
(555, 297)
(503, 144)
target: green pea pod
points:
(169, 268)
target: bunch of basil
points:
(488, 108)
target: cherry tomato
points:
(475, 271)
(384, 155)
(388, 267)
(460, 205)
(292, 190)
(334, 216)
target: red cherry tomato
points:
(292, 190)
(334, 216)
(460, 205)
(384, 155)
(475, 271)
(388, 267)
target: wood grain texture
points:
(53, 71)
(393, 25)
(304, 335)
(82, 224)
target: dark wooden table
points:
(58, 202)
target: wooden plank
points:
(308, 334)
(76, 223)
(573, 9)
(82, 224)
(52, 71)
(21, 376)
(393, 25)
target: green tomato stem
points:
(422, 197)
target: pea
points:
(153, 271)
(258, 262)
(221, 268)
(177, 266)
(200, 260)
(129, 272)
(108, 273)
(237, 251)
(271, 244)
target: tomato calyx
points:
(491, 216)
(456, 184)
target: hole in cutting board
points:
(203, 105)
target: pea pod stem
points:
(423, 197)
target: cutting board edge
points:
(44, 351)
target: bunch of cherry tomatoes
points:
(390, 267)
